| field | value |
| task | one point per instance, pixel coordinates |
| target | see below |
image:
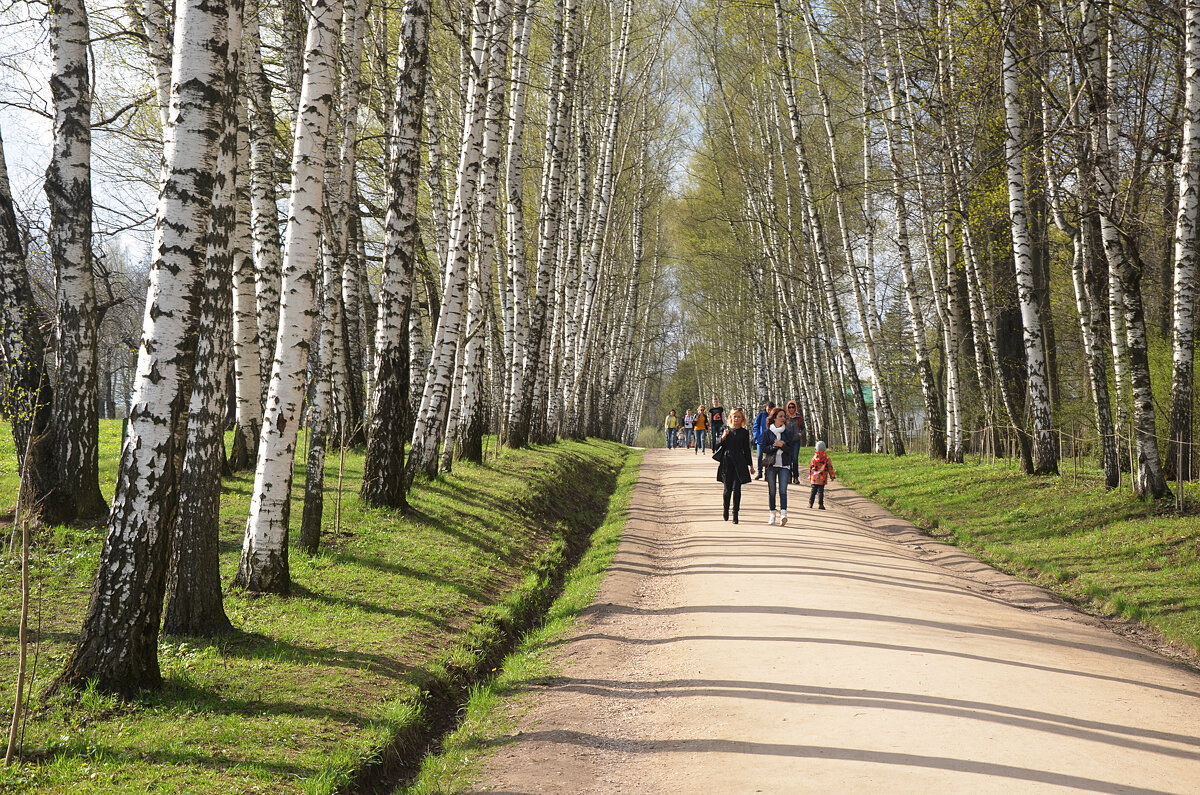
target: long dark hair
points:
(774, 414)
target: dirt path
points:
(837, 655)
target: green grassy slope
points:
(308, 685)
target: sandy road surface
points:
(827, 657)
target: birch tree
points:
(440, 379)
(1045, 444)
(264, 563)
(193, 604)
(1183, 326)
(26, 394)
(383, 471)
(1149, 480)
(118, 645)
(69, 192)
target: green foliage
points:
(310, 686)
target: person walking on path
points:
(736, 465)
(671, 426)
(700, 426)
(778, 442)
(688, 421)
(820, 471)
(760, 427)
(716, 421)
(796, 425)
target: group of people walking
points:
(694, 427)
(776, 435)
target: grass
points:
(1105, 550)
(311, 687)
(489, 713)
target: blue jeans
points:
(795, 462)
(670, 438)
(777, 478)
(700, 441)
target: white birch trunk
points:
(68, 188)
(439, 381)
(557, 113)
(246, 353)
(820, 249)
(268, 262)
(264, 564)
(1183, 326)
(893, 131)
(118, 646)
(473, 418)
(397, 325)
(1045, 459)
(1149, 480)
(515, 204)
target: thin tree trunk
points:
(247, 355)
(383, 470)
(27, 399)
(1045, 459)
(473, 416)
(264, 564)
(1126, 274)
(69, 193)
(892, 133)
(268, 262)
(439, 383)
(118, 645)
(1183, 325)
(557, 114)
(821, 250)
(193, 603)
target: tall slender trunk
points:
(473, 416)
(69, 193)
(1183, 325)
(892, 136)
(247, 356)
(603, 209)
(118, 645)
(322, 414)
(1124, 273)
(264, 564)
(515, 205)
(427, 429)
(268, 262)
(383, 469)
(557, 114)
(27, 399)
(193, 603)
(1045, 459)
(821, 250)
(343, 206)
(880, 401)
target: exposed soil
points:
(845, 652)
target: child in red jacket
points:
(820, 471)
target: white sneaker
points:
(782, 518)
(772, 519)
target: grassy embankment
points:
(1106, 550)
(309, 688)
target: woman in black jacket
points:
(736, 465)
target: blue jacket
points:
(760, 425)
(789, 443)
